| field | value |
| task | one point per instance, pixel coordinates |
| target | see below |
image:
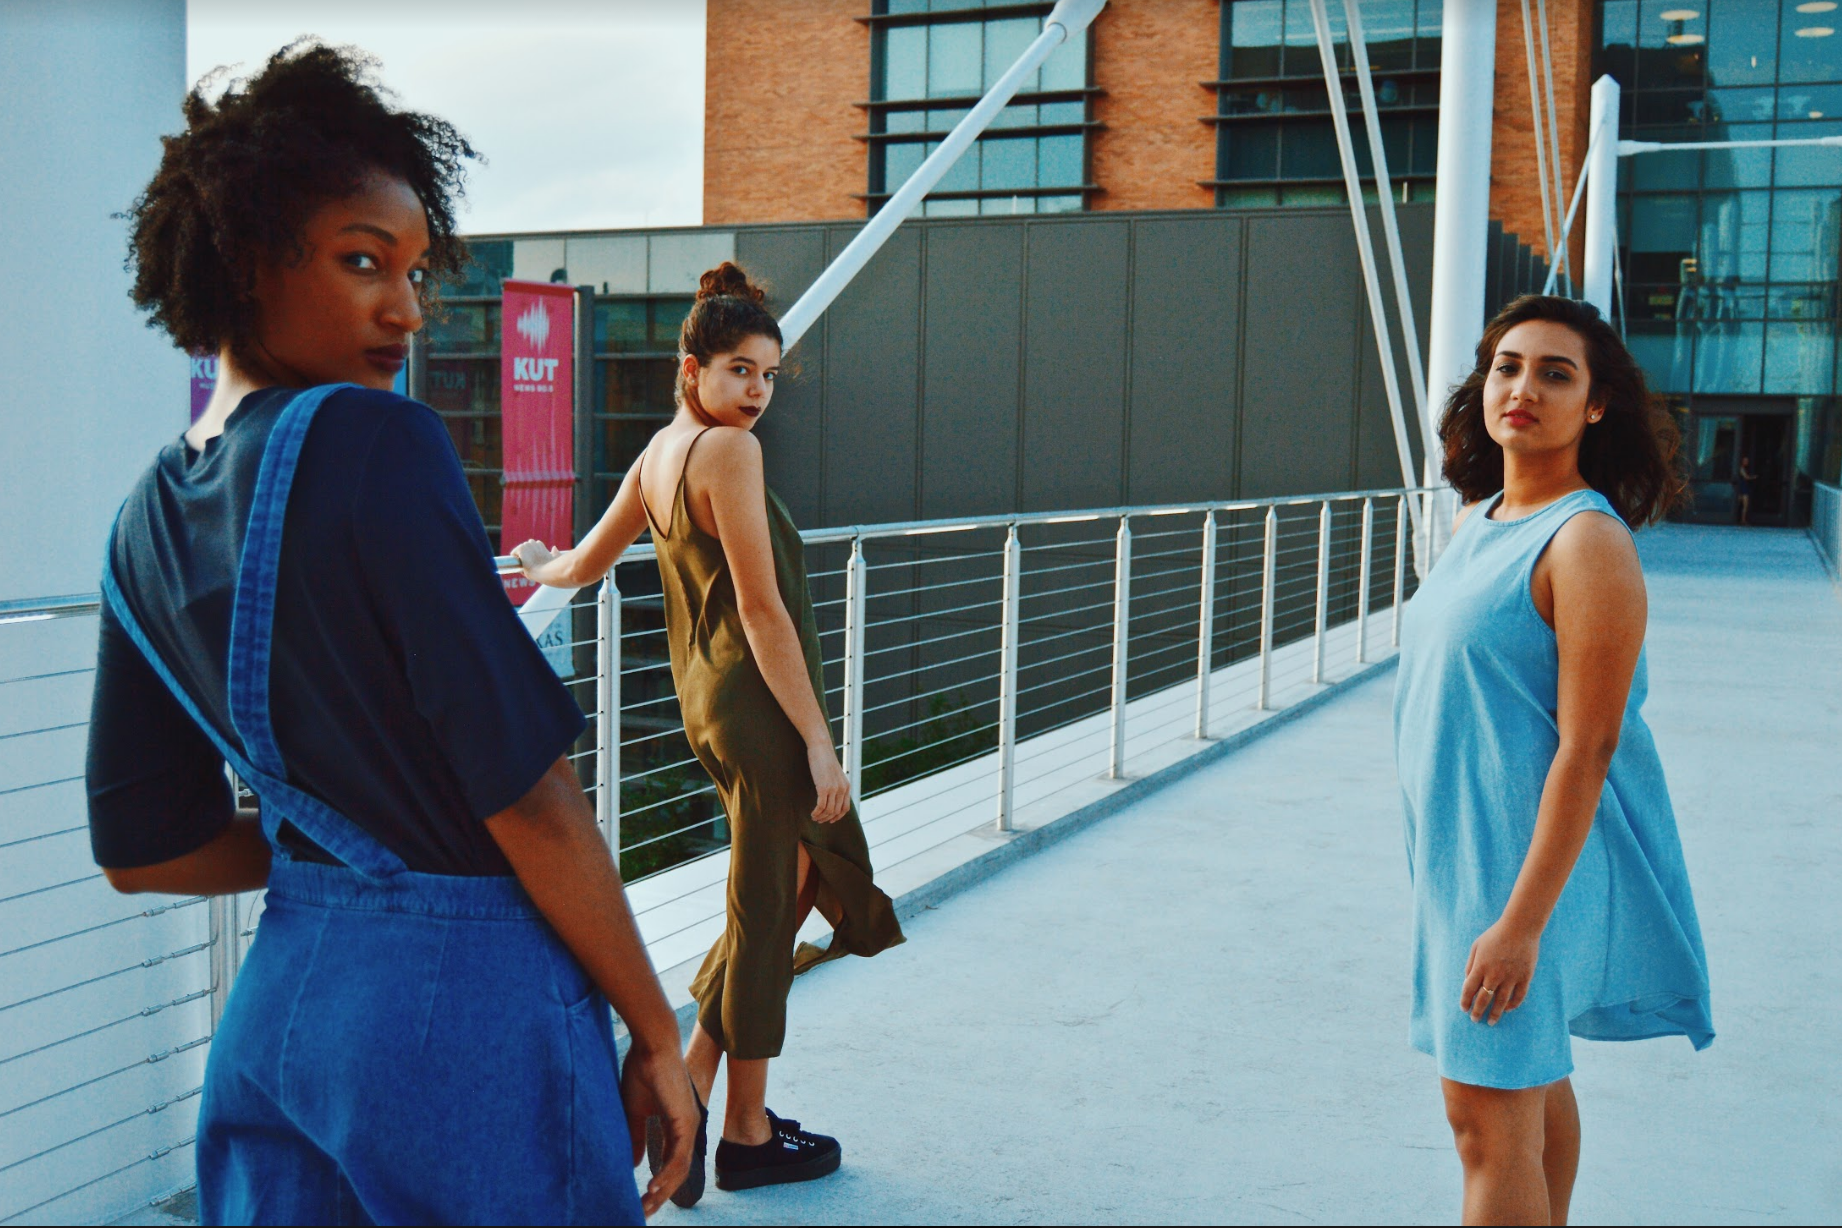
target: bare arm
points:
(1591, 588)
(728, 467)
(237, 859)
(619, 527)
(550, 839)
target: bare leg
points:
(745, 1111)
(702, 1056)
(1560, 1154)
(1499, 1135)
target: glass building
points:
(1275, 143)
(1730, 258)
(931, 60)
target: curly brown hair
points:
(729, 309)
(1629, 455)
(236, 187)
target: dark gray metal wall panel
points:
(872, 385)
(1298, 388)
(1075, 363)
(786, 261)
(1186, 292)
(974, 313)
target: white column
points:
(1601, 198)
(1461, 212)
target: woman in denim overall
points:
(417, 1035)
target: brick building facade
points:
(786, 128)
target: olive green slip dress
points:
(758, 761)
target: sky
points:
(589, 112)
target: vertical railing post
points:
(1400, 570)
(1362, 581)
(1205, 626)
(1268, 555)
(607, 713)
(855, 580)
(226, 940)
(1007, 679)
(1323, 598)
(1122, 611)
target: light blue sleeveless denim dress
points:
(400, 1047)
(1475, 736)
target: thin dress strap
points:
(651, 520)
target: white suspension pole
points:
(1601, 198)
(1365, 252)
(1536, 123)
(1554, 136)
(1068, 18)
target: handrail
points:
(27, 609)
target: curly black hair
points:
(235, 189)
(1629, 455)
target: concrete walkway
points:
(1196, 1010)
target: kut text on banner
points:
(537, 397)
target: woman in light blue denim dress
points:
(1551, 899)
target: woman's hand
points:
(654, 1083)
(828, 778)
(542, 564)
(1498, 973)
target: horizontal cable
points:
(629, 848)
(43, 784)
(935, 639)
(930, 745)
(150, 1060)
(652, 771)
(69, 882)
(144, 964)
(995, 552)
(1080, 673)
(1066, 656)
(148, 1111)
(1080, 609)
(908, 618)
(144, 1013)
(1075, 698)
(885, 679)
(906, 699)
(931, 588)
(58, 673)
(63, 831)
(26, 733)
(1107, 562)
(1107, 581)
(639, 810)
(158, 1153)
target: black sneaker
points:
(791, 1155)
(692, 1188)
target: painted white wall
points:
(88, 395)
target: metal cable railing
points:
(1826, 525)
(980, 666)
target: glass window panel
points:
(999, 205)
(1663, 350)
(464, 328)
(1737, 168)
(905, 62)
(1728, 355)
(963, 175)
(1254, 31)
(1312, 194)
(904, 121)
(900, 160)
(1671, 47)
(1809, 102)
(953, 59)
(1810, 46)
(667, 316)
(1816, 301)
(947, 6)
(944, 119)
(1060, 161)
(1805, 225)
(1301, 51)
(1064, 112)
(1666, 106)
(620, 324)
(1066, 68)
(1004, 42)
(1652, 302)
(1735, 229)
(1742, 42)
(1388, 27)
(1425, 149)
(1015, 117)
(1008, 164)
(1058, 204)
(1253, 152)
(1662, 236)
(1246, 198)
(950, 208)
(466, 386)
(906, 6)
(1738, 106)
(1309, 151)
(1800, 358)
(1428, 24)
(1617, 54)
(1667, 171)
(1808, 165)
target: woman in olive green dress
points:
(745, 659)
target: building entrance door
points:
(1717, 446)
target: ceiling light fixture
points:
(1816, 32)
(1685, 40)
(1817, 6)
(1678, 14)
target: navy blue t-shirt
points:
(404, 692)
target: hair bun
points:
(727, 280)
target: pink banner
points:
(537, 401)
(204, 381)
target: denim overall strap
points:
(262, 768)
